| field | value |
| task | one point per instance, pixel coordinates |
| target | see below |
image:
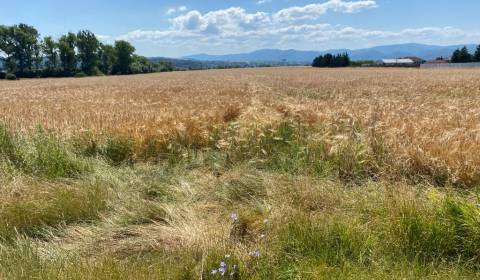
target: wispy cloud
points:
(175, 10)
(261, 2)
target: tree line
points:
(25, 54)
(330, 60)
(464, 56)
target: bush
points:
(80, 75)
(118, 150)
(11, 77)
(97, 72)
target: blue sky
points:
(182, 27)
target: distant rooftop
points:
(397, 61)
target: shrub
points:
(97, 72)
(11, 77)
(80, 75)
(118, 150)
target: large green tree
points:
(124, 57)
(20, 45)
(476, 56)
(465, 56)
(50, 50)
(455, 56)
(66, 48)
(107, 57)
(88, 46)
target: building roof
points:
(397, 61)
(415, 59)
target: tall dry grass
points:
(266, 173)
(427, 120)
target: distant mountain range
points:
(375, 53)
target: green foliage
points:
(10, 76)
(107, 58)
(21, 47)
(359, 63)
(476, 56)
(87, 45)
(330, 60)
(66, 48)
(448, 232)
(50, 49)
(141, 64)
(332, 242)
(123, 52)
(118, 150)
(80, 75)
(461, 56)
(41, 155)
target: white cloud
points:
(175, 10)
(222, 21)
(235, 29)
(314, 11)
(261, 2)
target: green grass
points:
(41, 154)
(277, 202)
(44, 208)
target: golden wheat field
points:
(429, 118)
(274, 173)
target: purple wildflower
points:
(234, 217)
(255, 254)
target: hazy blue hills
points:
(390, 51)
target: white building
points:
(396, 62)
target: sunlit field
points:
(275, 173)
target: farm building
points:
(417, 60)
(397, 62)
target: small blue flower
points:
(234, 217)
(254, 254)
